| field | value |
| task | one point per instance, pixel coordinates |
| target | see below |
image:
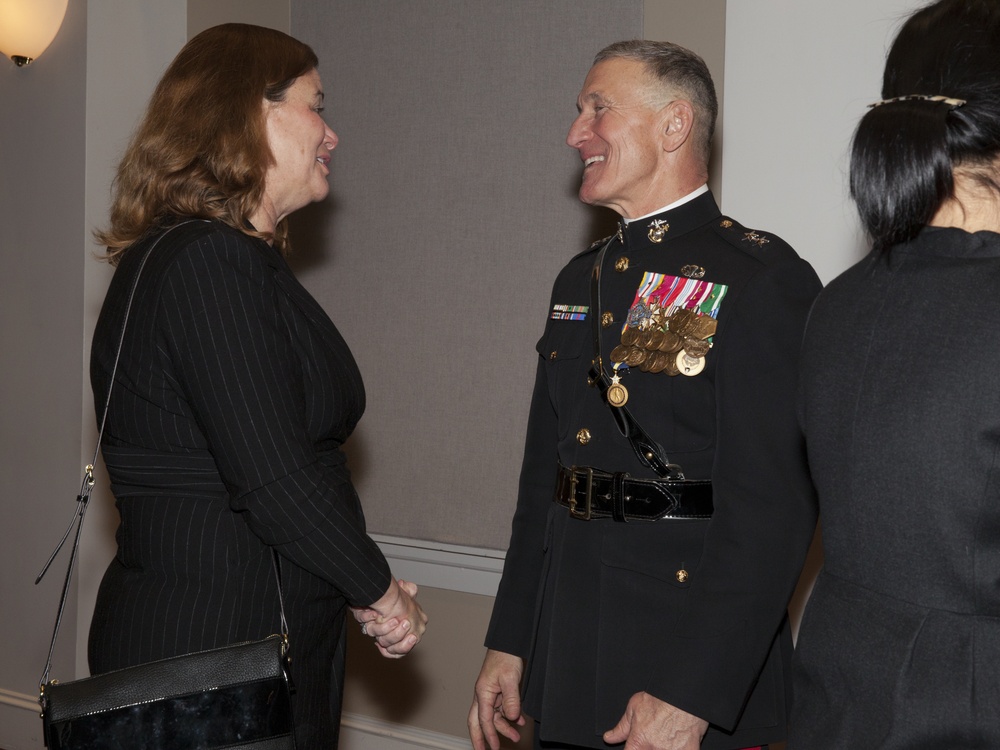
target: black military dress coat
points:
(232, 398)
(690, 611)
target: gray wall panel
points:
(453, 207)
(43, 252)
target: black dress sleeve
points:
(239, 369)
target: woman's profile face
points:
(301, 143)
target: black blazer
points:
(900, 641)
(596, 606)
(232, 397)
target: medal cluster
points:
(655, 342)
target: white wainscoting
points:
(443, 566)
(363, 733)
(19, 700)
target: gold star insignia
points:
(758, 239)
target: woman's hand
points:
(395, 621)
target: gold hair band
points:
(952, 103)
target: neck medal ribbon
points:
(670, 325)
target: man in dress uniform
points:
(665, 508)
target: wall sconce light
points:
(27, 27)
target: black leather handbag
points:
(231, 697)
(237, 696)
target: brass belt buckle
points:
(583, 515)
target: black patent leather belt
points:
(590, 493)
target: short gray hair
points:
(677, 70)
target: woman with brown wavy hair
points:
(233, 391)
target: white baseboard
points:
(363, 733)
(19, 700)
(472, 570)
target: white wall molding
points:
(472, 570)
(364, 733)
(19, 700)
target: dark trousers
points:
(539, 745)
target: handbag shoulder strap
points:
(87, 486)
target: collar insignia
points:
(657, 229)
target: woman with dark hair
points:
(233, 391)
(900, 643)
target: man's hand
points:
(496, 705)
(651, 724)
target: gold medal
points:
(703, 327)
(655, 339)
(671, 366)
(617, 393)
(619, 353)
(671, 342)
(635, 357)
(696, 347)
(682, 321)
(629, 336)
(688, 365)
(659, 362)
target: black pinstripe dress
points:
(233, 395)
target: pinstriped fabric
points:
(233, 395)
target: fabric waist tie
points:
(137, 471)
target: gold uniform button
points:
(583, 436)
(681, 575)
(725, 223)
(621, 265)
(554, 354)
(607, 318)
